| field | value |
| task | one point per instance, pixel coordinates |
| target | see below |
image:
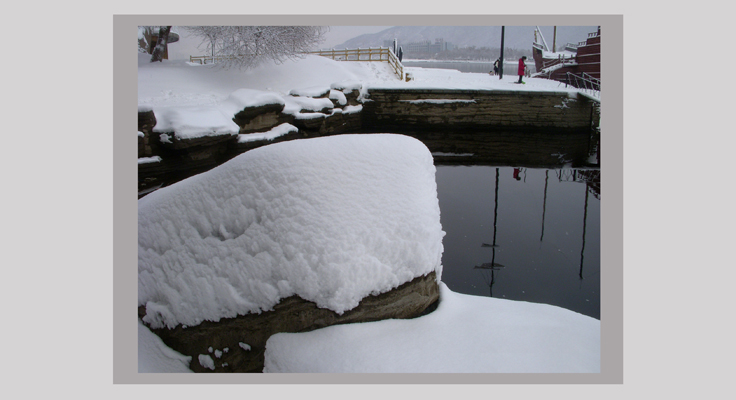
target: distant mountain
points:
(515, 37)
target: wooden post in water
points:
(585, 221)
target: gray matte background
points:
(125, 364)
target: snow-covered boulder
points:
(329, 220)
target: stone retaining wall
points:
(397, 109)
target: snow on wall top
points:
(331, 219)
(242, 98)
(271, 134)
(189, 122)
(313, 91)
(295, 104)
(194, 121)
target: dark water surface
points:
(535, 238)
(521, 212)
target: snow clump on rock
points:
(330, 219)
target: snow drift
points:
(465, 334)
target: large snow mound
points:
(330, 219)
(465, 334)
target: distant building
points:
(425, 46)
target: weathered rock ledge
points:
(167, 156)
(239, 344)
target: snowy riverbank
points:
(181, 83)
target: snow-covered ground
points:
(171, 83)
(181, 83)
(199, 100)
(465, 334)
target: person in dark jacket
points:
(522, 68)
(495, 66)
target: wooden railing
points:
(369, 54)
(209, 59)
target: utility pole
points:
(500, 67)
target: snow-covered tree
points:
(247, 46)
(163, 38)
(143, 35)
(154, 40)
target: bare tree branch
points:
(245, 47)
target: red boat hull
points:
(587, 60)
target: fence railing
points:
(559, 60)
(586, 83)
(209, 59)
(369, 54)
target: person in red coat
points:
(522, 67)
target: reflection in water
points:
(519, 149)
(585, 221)
(556, 267)
(492, 266)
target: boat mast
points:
(544, 42)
